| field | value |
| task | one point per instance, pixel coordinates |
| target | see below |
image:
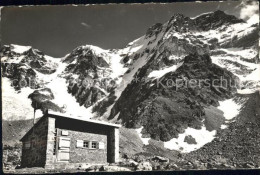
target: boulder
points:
(160, 159)
(92, 168)
(172, 166)
(248, 165)
(113, 168)
(144, 166)
(133, 163)
(190, 140)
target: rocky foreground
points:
(236, 147)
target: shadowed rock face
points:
(248, 40)
(180, 23)
(20, 75)
(21, 67)
(166, 112)
(215, 20)
(86, 55)
(32, 57)
(167, 109)
(205, 22)
(154, 30)
(92, 81)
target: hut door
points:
(64, 149)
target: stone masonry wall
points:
(35, 156)
(86, 155)
(113, 145)
(78, 130)
(50, 158)
(43, 141)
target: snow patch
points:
(20, 49)
(174, 57)
(45, 92)
(127, 78)
(247, 91)
(144, 140)
(133, 46)
(206, 13)
(159, 73)
(97, 50)
(118, 69)
(223, 126)
(15, 104)
(59, 86)
(246, 53)
(230, 108)
(62, 98)
(135, 49)
(254, 75)
(202, 137)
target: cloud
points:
(86, 25)
(250, 11)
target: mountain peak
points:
(216, 19)
(33, 52)
(180, 23)
(177, 16)
(220, 12)
(154, 30)
(206, 21)
(87, 51)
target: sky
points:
(57, 30)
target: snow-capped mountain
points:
(173, 51)
(130, 85)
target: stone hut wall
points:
(85, 155)
(34, 155)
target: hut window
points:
(88, 144)
(85, 144)
(94, 145)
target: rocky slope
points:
(165, 108)
(171, 47)
(237, 145)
